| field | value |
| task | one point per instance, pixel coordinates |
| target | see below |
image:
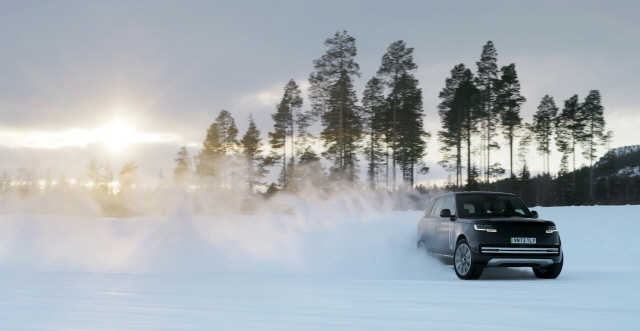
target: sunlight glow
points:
(116, 136)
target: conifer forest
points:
(332, 137)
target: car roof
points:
(483, 192)
(474, 192)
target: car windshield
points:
(490, 205)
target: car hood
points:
(510, 220)
(519, 221)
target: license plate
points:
(523, 240)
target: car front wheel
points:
(462, 262)
(550, 272)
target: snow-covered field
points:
(319, 269)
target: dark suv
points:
(489, 229)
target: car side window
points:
(449, 203)
(437, 207)
(427, 212)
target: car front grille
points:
(521, 230)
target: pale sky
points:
(159, 72)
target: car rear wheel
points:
(550, 272)
(463, 264)
(422, 247)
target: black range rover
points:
(489, 229)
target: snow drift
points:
(331, 265)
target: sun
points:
(118, 135)
(115, 136)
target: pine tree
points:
(227, 133)
(458, 74)
(288, 112)
(409, 144)
(473, 178)
(569, 126)
(396, 72)
(216, 159)
(333, 99)
(524, 176)
(183, 165)
(100, 178)
(594, 134)
(252, 152)
(508, 105)
(458, 111)
(542, 128)
(128, 175)
(373, 107)
(564, 165)
(308, 171)
(207, 159)
(486, 80)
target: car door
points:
(445, 227)
(430, 225)
(422, 225)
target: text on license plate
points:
(523, 240)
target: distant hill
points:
(621, 161)
(616, 182)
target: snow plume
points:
(346, 232)
(163, 200)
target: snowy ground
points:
(315, 270)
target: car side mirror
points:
(445, 213)
(534, 214)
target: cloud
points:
(262, 98)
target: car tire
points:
(463, 264)
(422, 247)
(550, 272)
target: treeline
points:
(617, 182)
(384, 131)
(477, 108)
(377, 140)
(384, 128)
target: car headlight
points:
(551, 229)
(488, 228)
